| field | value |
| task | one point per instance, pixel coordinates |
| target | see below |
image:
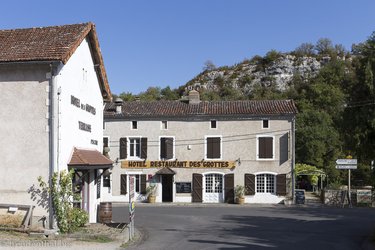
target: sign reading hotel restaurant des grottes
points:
(178, 164)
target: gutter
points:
(53, 135)
(293, 157)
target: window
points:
(265, 183)
(105, 142)
(265, 124)
(166, 148)
(213, 124)
(134, 125)
(107, 181)
(265, 148)
(213, 147)
(164, 125)
(135, 147)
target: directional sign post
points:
(347, 164)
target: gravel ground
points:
(94, 236)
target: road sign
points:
(346, 166)
(346, 161)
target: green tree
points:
(324, 46)
(168, 94)
(305, 49)
(127, 96)
(360, 112)
(151, 94)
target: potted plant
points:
(151, 193)
(239, 192)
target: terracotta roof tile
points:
(83, 157)
(155, 109)
(54, 43)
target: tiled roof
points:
(55, 43)
(138, 109)
(82, 157)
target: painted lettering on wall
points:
(178, 164)
(84, 126)
(77, 102)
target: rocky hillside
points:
(274, 70)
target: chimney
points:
(118, 104)
(194, 97)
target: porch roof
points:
(89, 159)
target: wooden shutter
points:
(284, 148)
(213, 148)
(265, 147)
(123, 152)
(249, 184)
(166, 148)
(281, 184)
(143, 184)
(169, 148)
(144, 148)
(123, 189)
(163, 150)
(197, 188)
(229, 188)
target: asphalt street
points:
(247, 227)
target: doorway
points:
(167, 188)
(213, 188)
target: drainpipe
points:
(53, 134)
(293, 157)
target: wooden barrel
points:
(105, 212)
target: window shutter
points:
(213, 148)
(143, 184)
(163, 153)
(123, 152)
(265, 147)
(197, 188)
(229, 188)
(123, 189)
(144, 148)
(249, 184)
(169, 148)
(281, 184)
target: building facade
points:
(197, 151)
(54, 86)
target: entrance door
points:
(167, 190)
(213, 191)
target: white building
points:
(53, 84)
(197, 151)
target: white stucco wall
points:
(78, 78)
(239, 141)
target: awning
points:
(83, 159)
(166, 170)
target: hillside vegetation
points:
(334, 91)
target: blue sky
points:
(166, 42)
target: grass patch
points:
(97, 238)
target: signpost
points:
(348, 164)
(131, 206)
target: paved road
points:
(246, 227)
